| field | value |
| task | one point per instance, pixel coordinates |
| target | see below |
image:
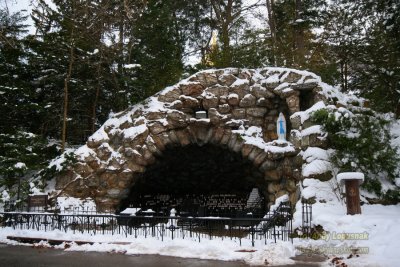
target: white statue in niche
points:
(281, 127)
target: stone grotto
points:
(212, 133)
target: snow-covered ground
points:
(216, 249)
(376, 233)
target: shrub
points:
(362, 143)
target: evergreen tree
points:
(361, 142)
(252, 50)
(363, 40)
(76, 50)
(292, 38)
(376, 62)
(160, 46)
(14, 90)
(21, 151)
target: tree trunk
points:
(226, 53)
(298, 36)
(342, 73)
(121, 29)
(226, 22)
(94, 106)
(66, 89)
(96, 99)
(272, 27)
(346, 78)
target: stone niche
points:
(137, 146)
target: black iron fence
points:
(276, 225)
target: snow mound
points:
(341, 177)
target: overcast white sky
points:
(19, 5)
(16, 5)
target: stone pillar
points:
(352, 181)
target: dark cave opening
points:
(306, 99)
(190, 178)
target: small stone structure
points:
(241, 108)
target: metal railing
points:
(273, 226)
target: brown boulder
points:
(170, 96)
(189, 102)
(256, 112)
(191, 88)
(224, 109)
(217, 90)
(233, 99)
(248, 101)
(210, 101)
(227, 79)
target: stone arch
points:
(242, 108)
(276, 167)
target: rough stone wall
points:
(242, 108)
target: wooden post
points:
(353, 197)
(352, 181)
